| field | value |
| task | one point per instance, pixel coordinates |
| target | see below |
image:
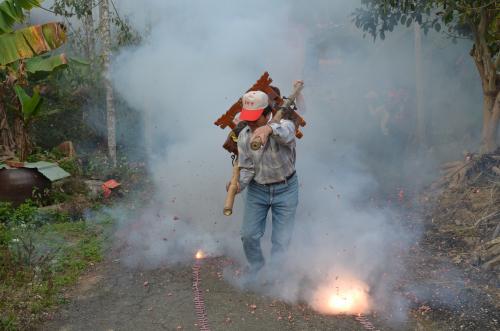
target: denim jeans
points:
(282, 199)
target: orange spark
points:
(199, 254)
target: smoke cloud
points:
(199, 57)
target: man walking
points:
(269, 176)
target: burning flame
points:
(199, 254)
(347, 296)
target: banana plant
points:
(46, 64)
(25, 52)
(30, 105)
(31, 41)
(13, 11)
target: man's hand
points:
(237, 185)
(263, 133)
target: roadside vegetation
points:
(52, 89)
(41, 254)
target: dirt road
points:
(112, 297)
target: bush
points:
(40, 252)
(19, 229)
(5, 236)
(70, 165)
(100, 166)
(5, 211)
(20, 225)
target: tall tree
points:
(420, 115)
(478, 20)
(88, 27)
(105, 28)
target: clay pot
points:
(18, 185)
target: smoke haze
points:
(199, 57)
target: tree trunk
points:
(88, 26)
(106, 54)
(420, 114)
(491, 121)
(7, 144)
(148, 126)
(487, 69)
(21, 137)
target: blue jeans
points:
(282, 199)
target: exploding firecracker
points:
(342, 296)
(199, 302)
(199, 254)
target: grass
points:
(64, 250)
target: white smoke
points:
(198, 59)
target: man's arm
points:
(283, 132)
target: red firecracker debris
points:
(401, 195)
(108, 186)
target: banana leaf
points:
(39, 67)
(30, 105)
(31, 41)
(46, 63)
(11, 12)
(76, 61)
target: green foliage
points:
(55, 196)
(71, 165)
(55, 217)
(38, 258)
(42, 155)
(8, 323)
(12, 12)
(76, 258)
(31, 41)
(100, 166)
(5, 211)
(78, 62)
(67, 189)
(126, 35)
(5, 236)
(19, 225)
(24, 215)
(18, 51)
(41, 66)
(459, 18)
(30, 105)
(70, 8)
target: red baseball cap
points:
(254, 103)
